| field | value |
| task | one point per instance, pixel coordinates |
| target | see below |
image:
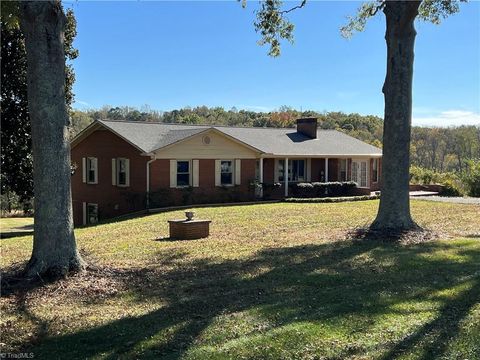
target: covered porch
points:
(364, 171)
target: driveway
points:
(457, 200)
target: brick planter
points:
(189, 229)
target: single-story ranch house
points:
(122, 166)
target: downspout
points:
(148, 179)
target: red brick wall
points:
(163, 195)
(112, 200)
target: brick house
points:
(122, 166)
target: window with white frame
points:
(375, 170)
(226, 172)
(122, 172)
(343, 170)
(296, 170)
(92, 170)
(183, 173)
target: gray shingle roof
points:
(150, 136)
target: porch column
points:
(285, 176)
(260, 170)
(326, 169)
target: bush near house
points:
(323, 189)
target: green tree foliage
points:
(16, 144)
(471, 177)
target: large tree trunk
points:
(54, 248)
(394, 211)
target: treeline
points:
(367, 128)
(439, 149)
(445, 149)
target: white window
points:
(375, 170)
(343, 170)
(226, 172)
(123, 172)
(183, 173)
(296, 170)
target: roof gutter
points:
(154, 157)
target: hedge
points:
(332, 199)
(323, 189)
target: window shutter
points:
(218, 171)
(95, 168)
(84, 170)
(238, 171)
(127, 172)
(114, 171)
(275, 170)
(84, 213)
(195, 170)
(173, 173)
(309, 170)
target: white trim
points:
(84, 170)
(285, 176)
(218, 172)
(326, 169)
(195, 172)
(148, 181)
(173, 173)
(238, 171)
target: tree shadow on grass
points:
(316, 283)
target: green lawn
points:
(275, 281)
(16, 224)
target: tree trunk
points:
(54, 249)
(394, 211)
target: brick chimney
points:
(308, 127)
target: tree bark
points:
(394, 210)
(54, 248)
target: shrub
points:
(319, 189)
(450, 188)
(471, 178)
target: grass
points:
(16, 224)
(275, 281)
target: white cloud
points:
(447, 118)
(81, 104)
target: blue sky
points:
(174, 54)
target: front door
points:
(360, 173)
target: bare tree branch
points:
(302, 4)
